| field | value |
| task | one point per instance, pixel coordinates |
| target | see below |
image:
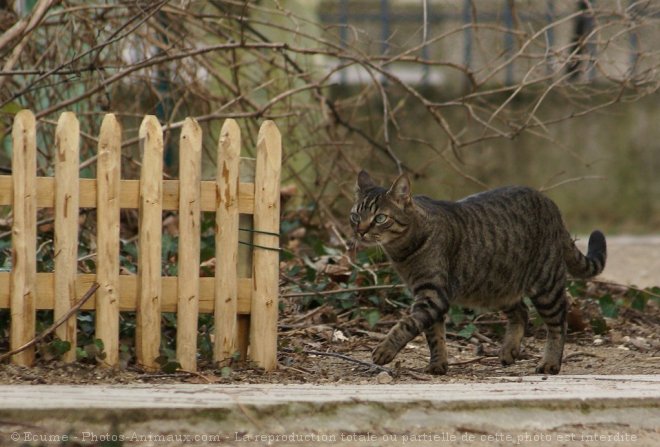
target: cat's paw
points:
(437, 369)
(509, 354)
(384, 353)
(546, 367)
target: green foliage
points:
(372, 317)
(167, 363)
(609, 307)
(467, 331)
(599, 326)
(91, 352)
(55, 349)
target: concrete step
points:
(515, 406)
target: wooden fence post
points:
(107, 259)
(190, 173)
(24, 236)
(67, 139)
(263, 323)
(147, 331)
(226, 241)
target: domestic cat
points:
(488, 250)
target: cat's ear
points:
(364, 181)
(401, 191)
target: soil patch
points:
(315, 350)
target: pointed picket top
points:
(151, 131)
(229, 135)
(24, 119)
(269, 140)
(191, 134)
(109, 138)
(67, 134)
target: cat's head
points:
(380, 215)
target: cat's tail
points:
(581, 266)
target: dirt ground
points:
(312, 351)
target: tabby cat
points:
(488, 250)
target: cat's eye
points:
(380, 218)
(355, 218)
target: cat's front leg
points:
(430, 306)
(404, 331)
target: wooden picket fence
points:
(245, 308)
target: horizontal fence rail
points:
(242, 295)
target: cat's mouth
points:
(368, 239)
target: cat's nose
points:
(362, 229)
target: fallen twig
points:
(344, 357)
(583, 354)
(636, 289)
(416, 374)
(55, 325)
(308, 315)
(338, 291)
(474, 360)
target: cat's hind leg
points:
(435, 337)
(517, 317)
(552, 307)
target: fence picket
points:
(107, 261)
(263, 324)
(67, 142)
(226, 241)
(24, 236)
(190, 172)
(147, 331)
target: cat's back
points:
(513, 202)
(503, 194)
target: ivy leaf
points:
(467, 331)
(372, 317)
(456, 315)
(60, 347)
(608, 307)
(170, 367)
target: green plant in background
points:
(612, 302)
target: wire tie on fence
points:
(260, 246)
(251, 230)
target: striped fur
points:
(488, 250)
